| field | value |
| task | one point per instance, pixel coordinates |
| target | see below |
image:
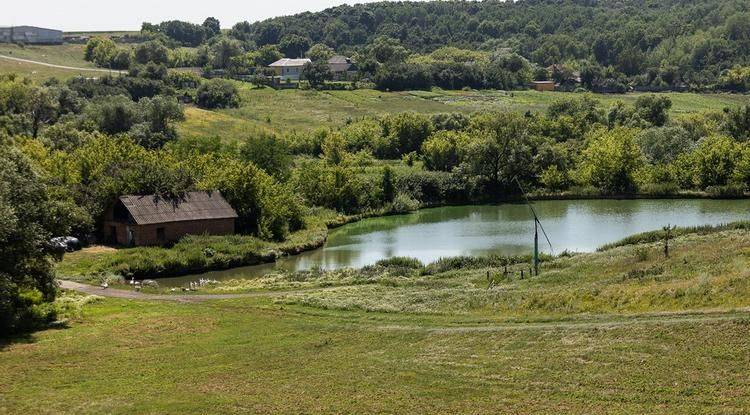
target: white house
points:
(289, 68)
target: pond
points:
(506, 229)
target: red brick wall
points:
(146, 234)
(121, 231)
(173, 231)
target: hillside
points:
(621, 331)
(634, 37)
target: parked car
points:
(65, 244)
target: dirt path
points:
(72, 68)
(136, 295)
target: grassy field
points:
(296, 110)
(620, 331)
(65, 55)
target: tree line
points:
(600, 46)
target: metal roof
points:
(290, 62)
(152, 209)
(339, 59)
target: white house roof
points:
(289, 62)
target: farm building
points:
(543, 85)
(342, 68)
(151, 220)
(30, 35)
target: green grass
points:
(592, 334)
(66, 55)
(284, 111)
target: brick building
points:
(151, 220)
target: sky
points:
(86, 15)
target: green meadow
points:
(620, 331)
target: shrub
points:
(403, 203)
(217, 93)
(400, 262)
(727, 191)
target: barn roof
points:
(152, 209)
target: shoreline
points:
(320, 236)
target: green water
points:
(507, 229)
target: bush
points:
(659, 189)
(472, 262)
(400, 262)
(217, 93)
(727, 191)
(403, 203)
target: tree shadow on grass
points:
(29, 337)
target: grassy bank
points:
(611, 332)
(628, 279)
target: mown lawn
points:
(592, 334)
(285, 111)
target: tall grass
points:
(659, 235)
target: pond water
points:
(506, 229)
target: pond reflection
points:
(574, 225)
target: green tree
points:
(408, 130)
(714, 160)
(736, 122)
(151, 51)
(316, 73)
(267, 55)
(334, 148)
(654, 108)
(26, 224)
(217, 93)
(610, 160)
(212, 26)
(502, 148)
(389, 191)
(223, 50)
(294, 46)
(268, 152)
(319, 52)
(444, 150)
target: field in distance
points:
(283, 111)
(65, 55)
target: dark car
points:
(65, 244)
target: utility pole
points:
(536, 245)
(537, 226)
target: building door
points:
(161, 235)
(113, 235)
(131, 237)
